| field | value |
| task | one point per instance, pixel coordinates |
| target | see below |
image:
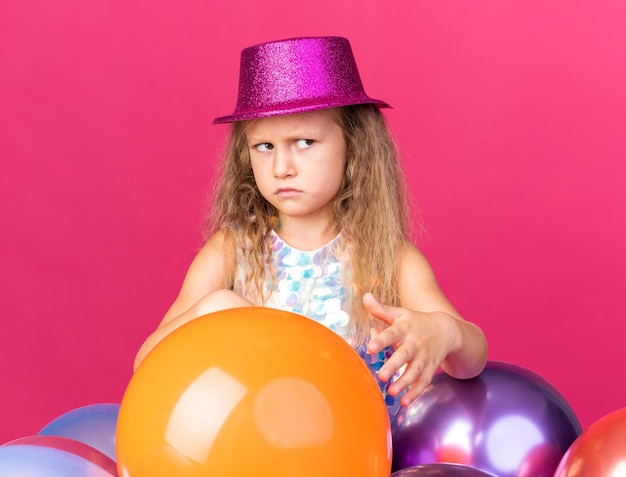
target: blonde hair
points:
(370, 209)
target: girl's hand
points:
(422, 342)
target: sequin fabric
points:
(312, 283)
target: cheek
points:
(260, 178)
(333, 177)
(258, 170)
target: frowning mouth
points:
(287, 193)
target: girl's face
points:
(298, 162)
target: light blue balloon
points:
(93, 425)
(36, 461)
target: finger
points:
(415, 390)
(391, 336)
(414, 380)
(372, 346)
(377, 343)
(372, 305)
(395, 362)
(388, 314)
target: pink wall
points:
(511, 116)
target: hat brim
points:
(279, 110)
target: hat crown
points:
(297, 75)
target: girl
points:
(310, 216)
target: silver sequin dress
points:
(313, 283)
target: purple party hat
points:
(297, 75)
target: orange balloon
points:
(253, 392)
(600, 451)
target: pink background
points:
(511, 115)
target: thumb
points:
(387, 314)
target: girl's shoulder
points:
(218, 251)
(413, 264)
(221, 241)
(415, 269)
(417, 284)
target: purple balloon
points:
(36, 461)
(508, 421)
(441, 470)
(93, 425)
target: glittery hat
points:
(297, 75)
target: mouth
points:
(287, 193)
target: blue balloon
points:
(508, 421)
(36, 461)
(93, 425)
(68, 445)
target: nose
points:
(284, 166)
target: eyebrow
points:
(296, 134)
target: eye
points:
(264, 147)
(304, 143)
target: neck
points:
(305, 234)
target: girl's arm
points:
(426, 330)
(207, 275)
